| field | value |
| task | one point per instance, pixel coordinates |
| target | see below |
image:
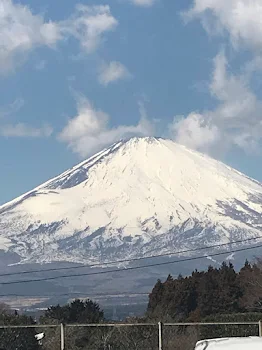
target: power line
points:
(131, 268)
(132, 259)
(119, 294)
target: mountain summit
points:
(136, 198)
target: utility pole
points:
(62, 330)
(160, 335)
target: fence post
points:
(160, 335)
(62, 331)
(260, 328)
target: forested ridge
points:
(207, 293)
(219, 294)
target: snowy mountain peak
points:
(137, 197)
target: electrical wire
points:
(132, 259)
(130, 268)
(108, 295)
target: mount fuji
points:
(137, 198)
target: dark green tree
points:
(155, 298)
(216, 291)
(230, 291)
(18, 338)
(76, 312)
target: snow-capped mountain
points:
(137, 198)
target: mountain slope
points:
(139, 197)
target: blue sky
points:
(77, 77)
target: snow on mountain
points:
(139, 197)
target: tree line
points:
(76, 338)
(207, 293)
(218, 294)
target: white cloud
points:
(195, 131)
(88, 25)
(12, 107)
(112, 72)
(89, 130)
(24, 130)
(21, 30)
(236, 121)
(241, 19)
(144, 3)
(20, 129)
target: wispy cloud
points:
(12, 107)
(8, 129)
(25, 130)
(195, 131)
(236, 121)
(88, 24)
(143, 3)
(240, 19)
(89, 130)
(111, 72)
(21, 31)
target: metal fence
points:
(121, 336)
(183, 336)
(13, 337)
